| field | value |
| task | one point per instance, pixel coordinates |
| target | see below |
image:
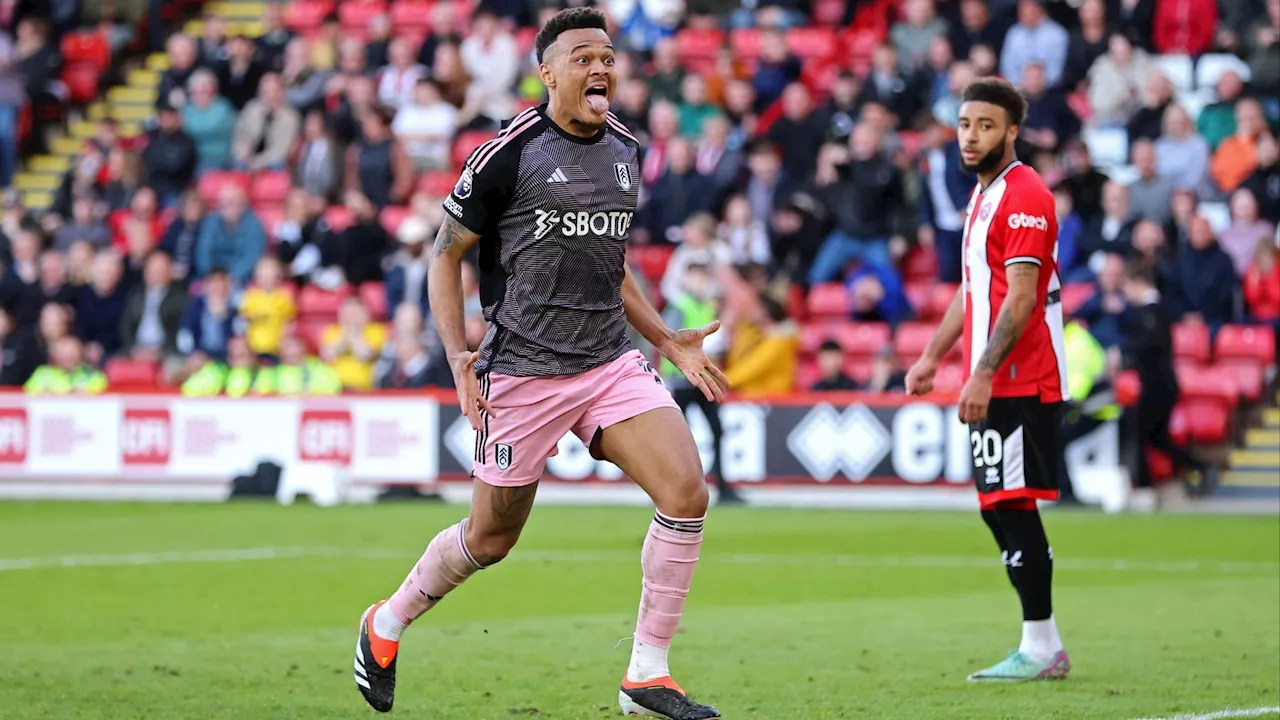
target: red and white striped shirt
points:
(1013, 221)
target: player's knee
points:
(686, 497)
(489, 548)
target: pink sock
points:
(445, 565)
(669, 557)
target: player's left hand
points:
(684, 350)
(974, 399)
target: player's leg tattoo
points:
(496, 525)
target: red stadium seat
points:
(1249, 376)
(859, 45)
(943, 295)
(306, 15)
(129, 374)
(807, 373)
(950, 378)
(524, 40)
(89, 46)
(1208, 421)
(1247, 342)
(374, 297)
(828, 301)
(812, 43)
(270, 186)
(920, 298)
(650, 260)
(392, 216)
(1214, 384)
(437, 183)
(819, 76)
(921, 264)
(745, 43)
(812, 335)
(270, 215)
(911, 339)
(858, 369)
(863, 339)
(1075, 295)
(310, 331)
(466, 142)
(314, 302)
(81, 79)
(1191, 342)
(411, 16)
(339, 218)
(211, 183)
(698, 44)
(355, 15)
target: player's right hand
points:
(470, 398)
(920, 377)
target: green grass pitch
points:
(249, 611)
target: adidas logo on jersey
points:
(580, 224)
(1023, 220)
(558, 177)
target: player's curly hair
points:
(579, 18)
(999, 92)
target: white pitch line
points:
(626, 556)
(1223, 714)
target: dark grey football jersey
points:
(553, 212)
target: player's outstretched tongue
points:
(598, 101)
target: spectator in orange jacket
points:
(1237, 156)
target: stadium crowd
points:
(268, 232)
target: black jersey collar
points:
(542, 110)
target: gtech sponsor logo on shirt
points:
(580, 224)
(1023, 220)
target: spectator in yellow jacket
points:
(351, 345)
(67, 373)
(763, 357)
(267, 308)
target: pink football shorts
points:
(533, 413)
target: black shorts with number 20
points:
(1016, 450)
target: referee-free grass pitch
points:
(794, 614)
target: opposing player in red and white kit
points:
(1009, 312)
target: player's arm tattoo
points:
(1014, 314)
(509, 506)
(453, 239)
(444, 283)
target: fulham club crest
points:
(502, 455)
(623, 172)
